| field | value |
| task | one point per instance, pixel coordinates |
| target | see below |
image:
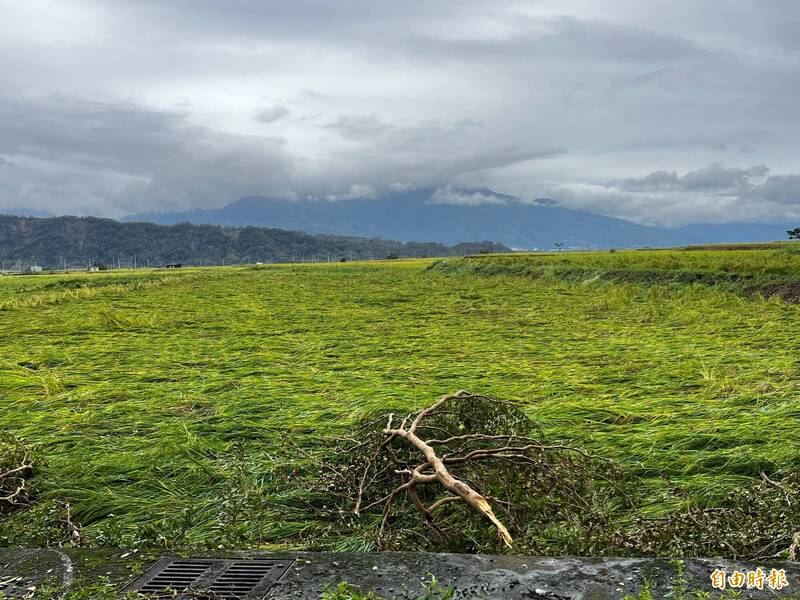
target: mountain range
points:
(459, 215)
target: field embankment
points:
(767, 269)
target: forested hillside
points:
(77, 241)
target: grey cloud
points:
(272, 114)
(124, 158)
(75, 156)
(717, 177)
(564, 38)
(309, 19)
(428, 153)
(384, 25)
(619, 42)
(360, 127)
(711, 194)
(428, 134)
(777, 189)
(655, 180)
(742, 142)
(714, 178)
(667, 79)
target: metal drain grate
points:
(177, 575)
(211, 578)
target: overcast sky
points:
(659, 111)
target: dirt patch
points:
(739, 246)
(788, 292)
(681, 277)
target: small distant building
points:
(94, 269)
(34, 269)
(173, 265)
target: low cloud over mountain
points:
(446, 215)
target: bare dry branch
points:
(17, 463)
(476, 501)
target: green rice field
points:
(195, 408)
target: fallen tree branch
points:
(429, 452)
(440, 472)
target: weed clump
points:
(760, 520)
(344, 591)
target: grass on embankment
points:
(772, 270)
(782, 262)
(182, 414)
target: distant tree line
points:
(83, 241)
